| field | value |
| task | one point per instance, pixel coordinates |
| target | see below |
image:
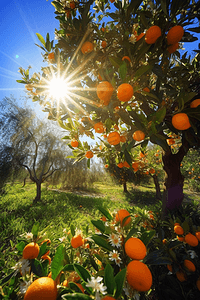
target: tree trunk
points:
(38, 195)
(173, 186)
(157, 186)
(125, 187)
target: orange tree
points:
(137, 81)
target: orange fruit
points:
(140, 36)
(191, 240)
(178, 229)
(175, 34)
(181, 238)
(104, 91)
(122, 139)
(103, 44)
(31, 251)
(198, 283)
(189, 265)
(127, 58)
(74, 143)
(152, 171)
(135, 248)
(181, 121)
(121, 214)
(42, 288)
(72, 5)
(139, 276)
(146, 89)
(197, 234)
(113, 138)
(135, 166)
(124, 92)
(80, 287)
(152, 34)
(77, 241)
(107, 298)
(126, 165)
(181, 276)
(172, 48)
(170, 141)
(141, 155)
(195, 103)
(44, 257)
(89, 154)
(51, 56)
(169, 267)
(106, 166)
(120, 165)
(99, 127)
(138, 135)
(87, 47)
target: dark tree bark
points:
(157, 186)
(38, 194)
(174, 180)
(125, 187)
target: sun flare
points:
(58, 87)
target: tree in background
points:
(122, 73)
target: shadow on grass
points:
(141, 198)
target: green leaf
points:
(160, 115)
(101, 242)
(115, 61)
(68, 267)
(158, 139)
(123, 71)
(72, 229)
(105, 213)
(99, 225)
(21, 81)
(76, 296)
(147, 236)
(57, 6)
(82, 272)
(20, 246)
(119, 280)
(7, 278)
(109, 279)
(41, 39)
(194, 29)
(43, 249)
(131, 233)
(164, 6)
(88, 163)
(57, 263)
(35, 230)
(142, 70)
(128, 157)
(37, 268)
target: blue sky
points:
(20, 20)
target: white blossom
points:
(24, 286)
(192, 253)
(23, 266)
(95, 284)
(62, 239)
(115, 257)
(115, 240)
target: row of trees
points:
(31, 148)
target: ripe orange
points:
(180, 238)
(74, 143)
(152, 34)
(198, 283)
(31, 251)
(191, 240)
(189, 265)
(198, 235)
(121, 214)
(139, 276)
(120, 165)
(138, 135)
(146, 89)
(89, 154)
(87, 47)
(127, 58)
(169, 267)
(72, 5)
(107, 298)
(141, 155)
(135, 166)
(178, 229)
(104, 91)
(195, 103)
(181, 276)
(77, 241)
(106, 166)
(124, 92)
(170, 141)
(135, 248)
(140, 36)
(171, 49)
(51, 56)
(44, 257)
(122, 139)
(181, 121)
(152, 171)
(103, 44)
(113, 138)
(126, 165)
(175, 34)
(99, 127)
(42, 288)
